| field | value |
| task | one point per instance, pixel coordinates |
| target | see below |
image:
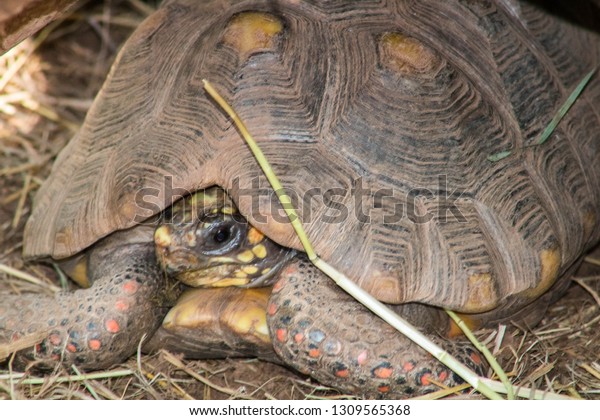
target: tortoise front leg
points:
(96, 327)
(321, 331)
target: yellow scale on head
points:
(250, 269)
(246, 256)
(260, 251)
(255, 236)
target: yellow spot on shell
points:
(589, 222)
(184, 314)
(404, 54)
(162, 236)
(255, 236)
(251, 320)
(252, 32)
(78, 272)
(260, 251)
(246, 256)
(550, 262)
(226, 282)
(250, 269)
(482, 295)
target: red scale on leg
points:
(278, 286)
(383, 389)
(425, 379)
(112, 326)
(475, 358)
(341, 370)
(408, 366)
(94, 344)
(131, 287)
(383, 372)
(281, 335)
(55, 339)
(122, 305)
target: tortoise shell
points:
(21, 18)
(379, 119)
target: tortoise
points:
(380, 120)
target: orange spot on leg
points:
(290, 270)
(383, 372)
(272, 309)
(278, 286)
(112, 326)
(281, 335)
(298, 338)
(408, 366)
(342, 373)
(54, 339)
(475, 358)
(131, 287)
(314, 353)
(71, 348)
(425, 379)
(94, 344)
(383, 388)
(443, 376)
(122, 305)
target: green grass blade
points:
(284, 199)
(555, 120)
(499, 156)
(565, 108)
(486, 353)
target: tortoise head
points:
(204, 241)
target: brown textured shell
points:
(21, 18)
(377, 117)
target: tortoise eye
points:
(222, 235)
(218, 234)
